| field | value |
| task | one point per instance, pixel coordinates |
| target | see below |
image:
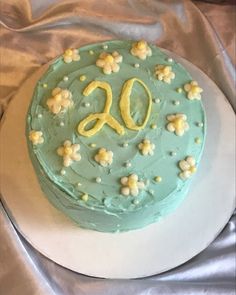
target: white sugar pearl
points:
(170, 59)
(63, 172)
(125, 144)
(98, 179)
(173, 154)
(136, 65)
(176, 102)
(62, 124)
(157, 100)
(40, 115)
(104, 46)
(65, 78)
(127, 164)
(79, 184)
(200, 124)
(87, 104)
(135, 202)
(197, 140)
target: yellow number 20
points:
(106, 117)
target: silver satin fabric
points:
(34, 32)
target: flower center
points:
(179, 123)
(132, 183)
(146, 145)
(166, 70)
(35, 136)
(141, 45)
(109, 59)
(57, 97)
(68, 52)
(103, 156)
(192, 169)
(195, 89)
(68, 151)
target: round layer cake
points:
(115, 132)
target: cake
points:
(115, 132)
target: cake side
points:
(134, 166)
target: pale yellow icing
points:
(141, 49)
(193, 90)
(146, 147)
(109, 62)
(36, 137)
(71, 55)
(164, 73)
(188, 167)
(104, 157)
(61, 100)
(177, 123)
(131, 185)
(100, 118)
(125, 104)
(69, 153)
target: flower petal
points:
(67, 59)
(76, 157)
(170, 117)
(124, 180)
(184, 165)
(125, 191)
(134, 177)
(179, 132)
(100, 63)
(170, 127)
(55, 108)
(67, 143)
(76, 147)
(115, 67)
(187, 87)
(107, 69)
(60, 151)
(67, 161)
(191, 161)
(56, 91)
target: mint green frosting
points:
(107, 209)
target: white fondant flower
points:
(104, 157)
(69, 153)
(188, 167)
(131, 185)
(36, 137)
(146, 147)
(141, 49)
(193, 90)
(177, 123)
(164, 73)
(71, 55)
(60, 100)
(109, 62)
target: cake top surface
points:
(117, 125)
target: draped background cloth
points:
(34, 32)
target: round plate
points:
(148, 251)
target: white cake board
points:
(152, 250)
